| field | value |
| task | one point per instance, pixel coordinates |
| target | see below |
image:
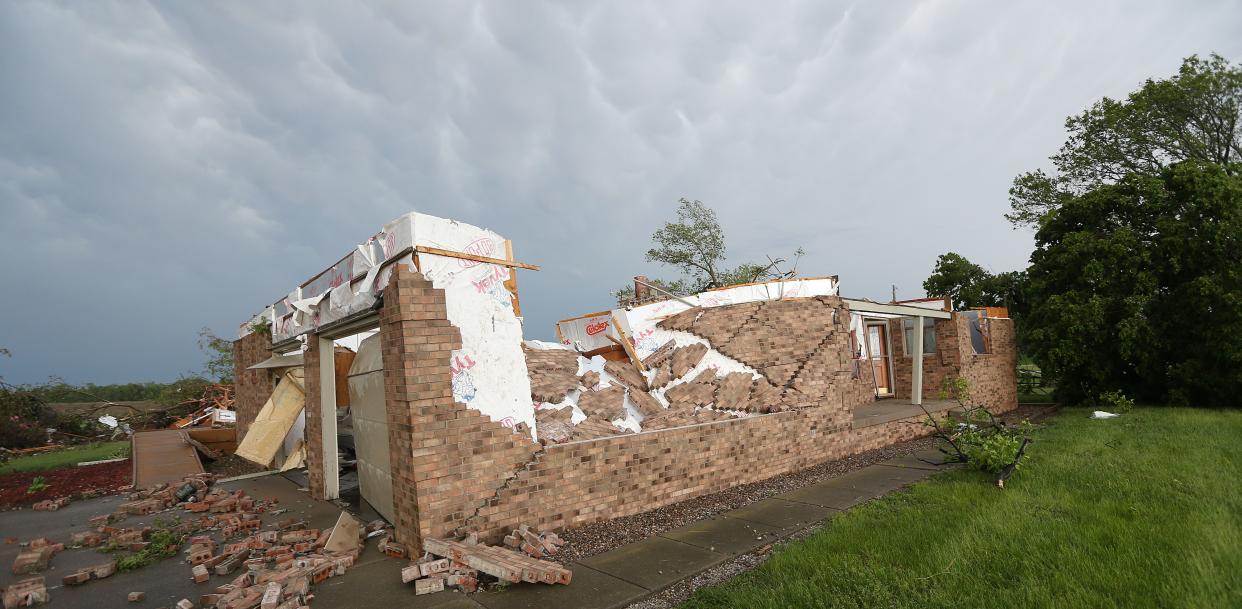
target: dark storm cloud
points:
(169, 166)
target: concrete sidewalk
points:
(633, 572)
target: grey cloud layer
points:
(169, 166)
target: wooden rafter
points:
(423, 249)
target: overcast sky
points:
(165, 167)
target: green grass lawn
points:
(1139, 511)
(69, 456)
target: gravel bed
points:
(599, 537)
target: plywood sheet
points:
(274, 421)
(163, 456)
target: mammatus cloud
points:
(169, 166)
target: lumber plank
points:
(423, 249)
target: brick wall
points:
(937, 366)
(992, 376)
(251, 387)
(581, 482)
(801, 345)
(446, 459)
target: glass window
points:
(978, 331)
(929, 335)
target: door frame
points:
(868, 323)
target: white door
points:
(366, 405)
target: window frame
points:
(907, 336)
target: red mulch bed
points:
(87, 480)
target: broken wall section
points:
(252, 387)
(702, 364)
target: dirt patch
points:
(76, 482)
(229, 466)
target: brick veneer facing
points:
(251, 387)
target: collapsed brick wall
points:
(456, 470)
(800, 345)
(992, 376)
(251, 388)
(801, 348)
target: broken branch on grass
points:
(1009, 469)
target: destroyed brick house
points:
(409, 359)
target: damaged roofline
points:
(867, 306)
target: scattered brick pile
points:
(50, 505)
(535, 545)
(460, 563)
(25, 593)
(277, 566)
(553, 373)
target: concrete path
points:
(633, 572)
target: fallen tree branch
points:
(1009, 469)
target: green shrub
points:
(36, 485)
(1115, 401)
(164, 543)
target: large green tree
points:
(1193, 115)
(970, 285)
(219, 352)
(1137, 286)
